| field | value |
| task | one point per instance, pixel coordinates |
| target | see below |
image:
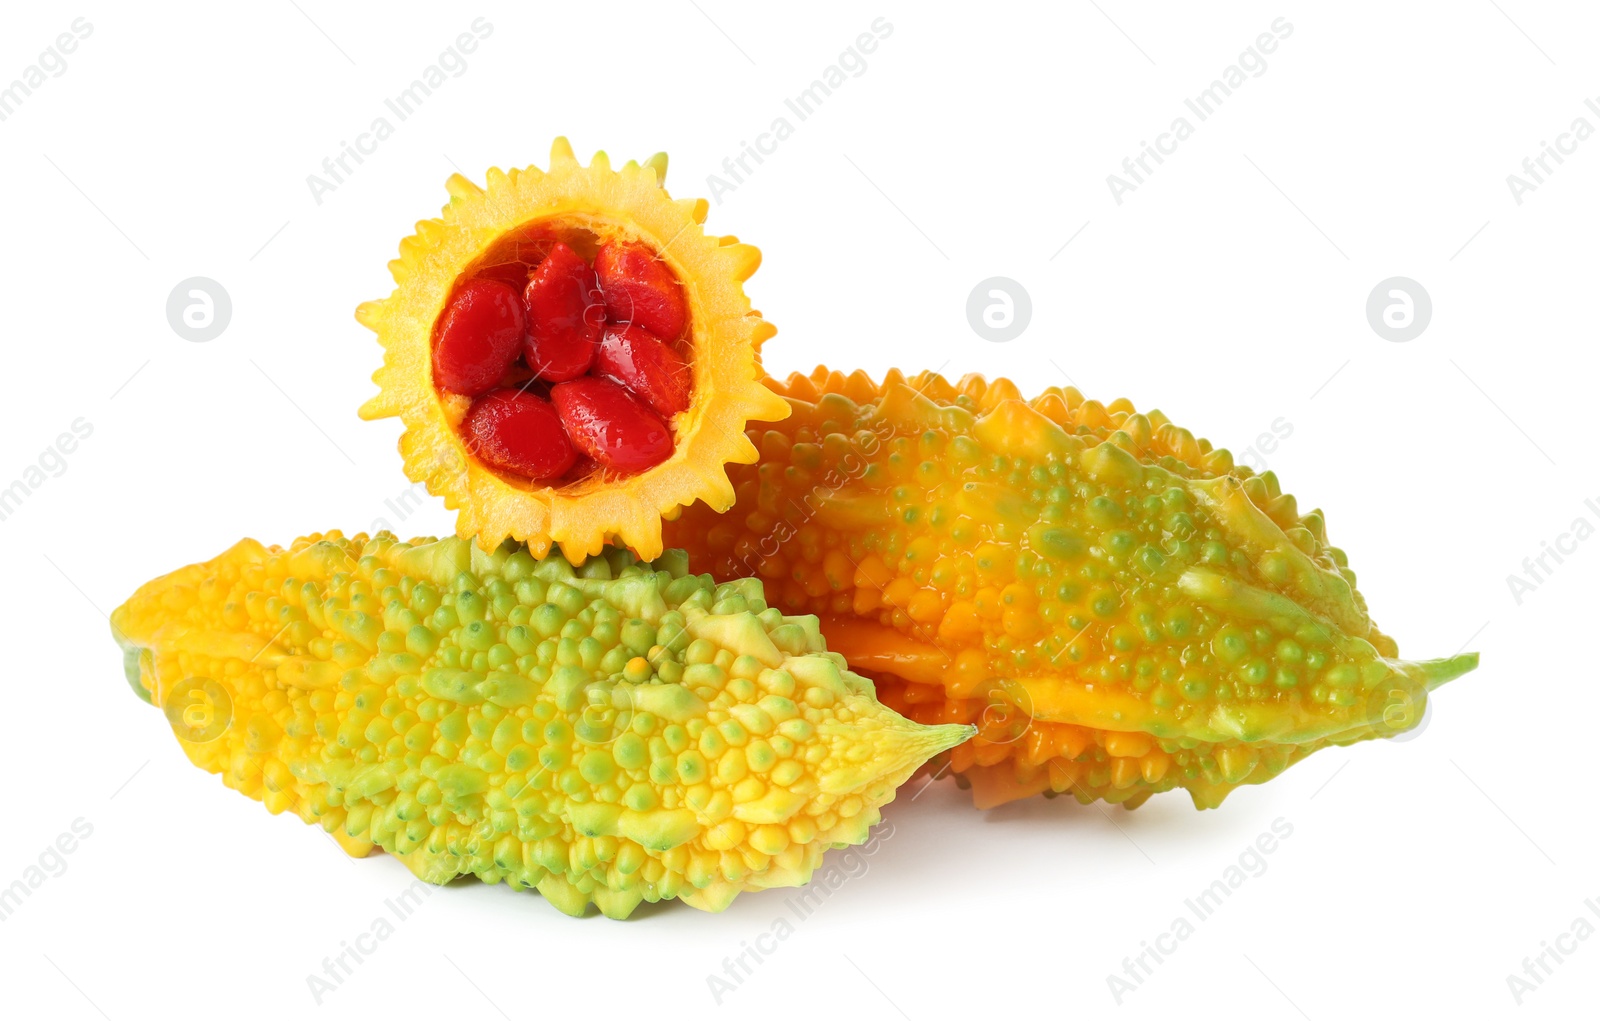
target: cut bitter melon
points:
(1119, 607)
(614, 733)
(572, 355)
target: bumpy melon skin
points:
(1119, 608)
(612, 734)
(725, 335)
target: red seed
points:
(582, 468)
(565, 314)
(478, 337)
(611, 425)
(519, 433)
(514, 274)
(639, 289)
(652, 370)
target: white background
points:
(1228, 291)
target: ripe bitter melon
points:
(1117, 606)
(573, 356)
(613, 733)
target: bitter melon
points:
(1119, 607)
(572, 355)
(616, 733)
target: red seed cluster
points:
(573, 367)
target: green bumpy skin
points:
(615, 733)
(1119, 607)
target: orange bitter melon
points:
(1118, 607)
(572, 355)
(614, 733)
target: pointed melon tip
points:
(1436, 672)
(928, 741)
(923, 742)
(949, 735)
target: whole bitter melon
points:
(616, 733)
(1119, 607)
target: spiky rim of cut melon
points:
(725, 337)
